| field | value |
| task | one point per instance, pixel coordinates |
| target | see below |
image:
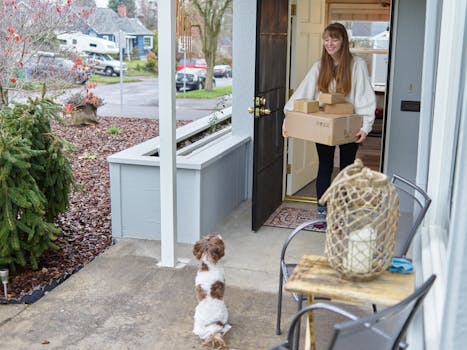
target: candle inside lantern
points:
(360, 250)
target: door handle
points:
(259, 111)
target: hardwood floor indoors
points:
(370, 154)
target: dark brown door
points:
(270, 85)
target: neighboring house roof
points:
(107, 21)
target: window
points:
(367, 23)
(370, 40)
(147, 42)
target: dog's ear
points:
(219, 250)
(198, 250)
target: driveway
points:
(141, 100)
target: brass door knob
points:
(259, 111)
(260, 101)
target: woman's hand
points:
(361, 135)
(284, 130)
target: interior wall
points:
(243, 84)
(401, 136)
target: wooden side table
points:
(314, 277)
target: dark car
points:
(50, 65)
(222, 71)
(191, 79)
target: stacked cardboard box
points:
(335, 125)
(305, 106)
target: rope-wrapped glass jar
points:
(362, 218)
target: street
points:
(141, 100)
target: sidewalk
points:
(123, 300)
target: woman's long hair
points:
(344, 69)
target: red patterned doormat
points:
(288, 217)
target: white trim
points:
(441, 171)
(416, 334)
(454, 335)
(389, 103)
(243, 85)
(168, 188)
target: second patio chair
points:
(384, 330)
(286, 268)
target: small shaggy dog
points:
(211, 313)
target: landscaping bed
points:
(86, 226)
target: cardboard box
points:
(339, 108)
(320, 127)
(305, 105)
(331, 98)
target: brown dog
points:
(211, 314)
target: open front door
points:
(270, 94)
(307, 27)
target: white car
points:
(105, 64)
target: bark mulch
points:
(86, 226)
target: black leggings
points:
(347, 155)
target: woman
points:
(337, 71)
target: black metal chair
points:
(286, 269)
(414, 203)
(383, 330)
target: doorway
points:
(368, 26)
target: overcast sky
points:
(101, 3)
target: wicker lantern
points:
(362, 219)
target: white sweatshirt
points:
(361, 95)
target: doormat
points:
(289, 217)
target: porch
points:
(123, 300)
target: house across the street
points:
(105, 23)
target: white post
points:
(168, 188)
(120, 45)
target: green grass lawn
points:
(216, 92)
(102, 79)
(134, 69)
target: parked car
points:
(105, 64)
(192, 63)
(191, 79)
(222, 71)
(51, 65)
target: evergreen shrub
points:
(36, 178)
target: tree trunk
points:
(86, 115)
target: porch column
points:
(168, 188)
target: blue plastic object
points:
(401, 265)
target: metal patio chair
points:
(384, 330)
(286, 269)
(414, 203)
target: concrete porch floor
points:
(123, 300)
